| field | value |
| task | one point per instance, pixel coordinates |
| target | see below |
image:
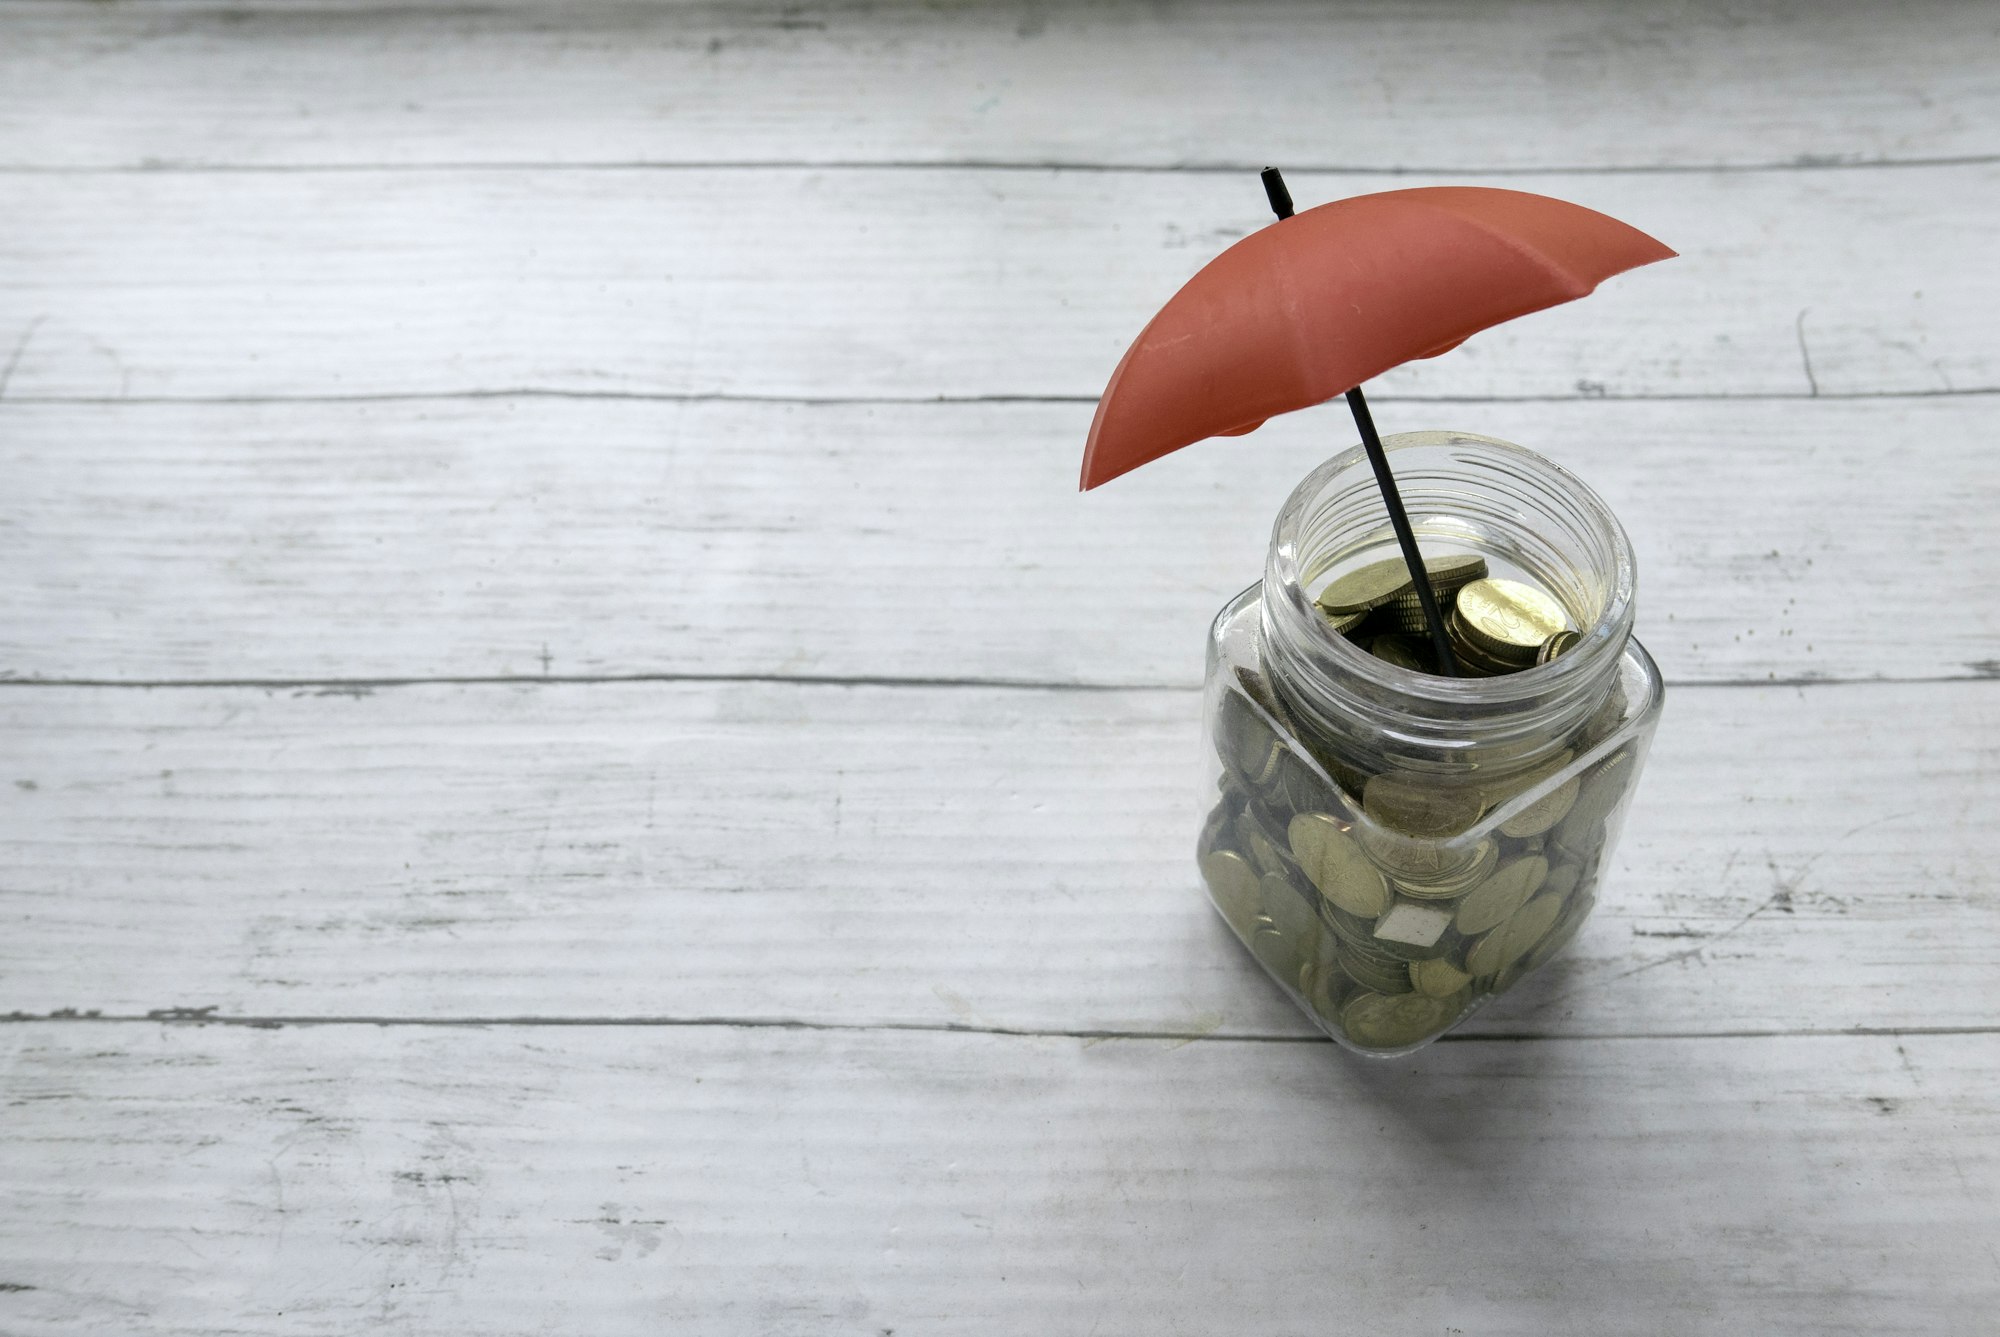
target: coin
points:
(1246, 743)
(1400, 651)
(1365, 588)
(1450, 571)
(1509, 619)
(1603, 788)
(1472, 656)
(1232, 883)
(1544, 812)
(1376, 1021)
(1248, 836)
(1499, 896)
(1437, 978)
(1336, 865)
(1418, 805)
(1451, 884)
(1563, 878)
(1385, 975)
(1503, 946)
(1286, 906)
(1557, 644)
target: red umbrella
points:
(1317, 303)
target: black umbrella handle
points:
(1378, 459)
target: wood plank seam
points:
(199, 1017)
(197, 167)
(1983, 671)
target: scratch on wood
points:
(20, 347)
(1805, 353)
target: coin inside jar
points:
(1364, 588)
(1233, 883)
(1333, 862)
(1419, 806)
(1379, 1021)
(1496, 899)
(1437, 977)
(1509, 618)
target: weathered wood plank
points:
(640, 1180)
(875, 283)
(1451, 85)
(477, 538)
(1798, 859)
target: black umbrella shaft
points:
(1378, 459)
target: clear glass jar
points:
(1397, 847)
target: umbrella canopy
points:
(1311, 306)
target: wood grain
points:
(532, 537)
(1797, 860)
(716, 1180)
(844, 284)
(1458, 86)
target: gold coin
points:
(1387, 977)
(1544, 812)
(1286, 906)
(1248, 836)
(1247, 744)
(1336, 865)
(1376, 1021)
(1509, 619)
(1563, 878)
(1472, 654)
(1448, 885)
(1365, 588)
(1437, 977)
(1557, 644)
(1603, 787)
(1417, 805)
(1499, 896)
(1232, 883)
(1532, 923)
(1397, 650)
(1505, 945)
(1453, 570)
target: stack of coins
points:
(1388, 904)
(1495, 625)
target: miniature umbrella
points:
(1312, 307)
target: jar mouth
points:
(1465, 492)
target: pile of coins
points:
(1387, 904)
(1495, 625)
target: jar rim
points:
(1416, 693)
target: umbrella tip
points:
(1275, 192)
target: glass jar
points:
(1397, 847)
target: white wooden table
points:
(573, 761)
